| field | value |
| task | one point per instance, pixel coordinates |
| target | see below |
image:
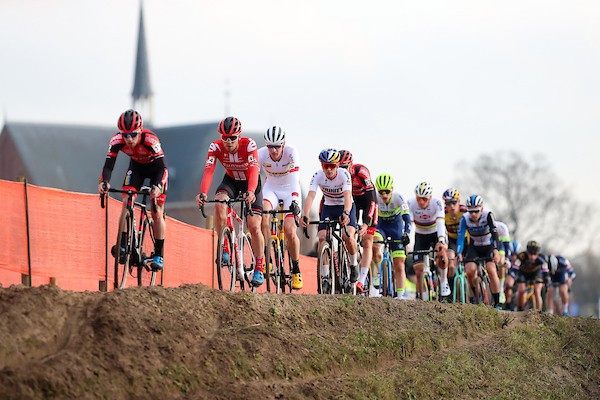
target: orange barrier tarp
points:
(67, 242)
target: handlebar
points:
(238, 199)
(289, 211)
(327, 221)
(144, 190)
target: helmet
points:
(384, 182)
(474, 200)
(423, 189)
(130, 121)
(533, 247)
(552, 264)
(329, 156)
(275, 136)
(451, 194)
(230, 126)
(345, 158)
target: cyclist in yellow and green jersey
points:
(453, 212)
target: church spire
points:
(142, 90)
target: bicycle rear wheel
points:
(146, 276)
(249, 262)
(325, 271)
(122, 269)
(385, 274)
(226, 261)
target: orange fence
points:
(54, 236)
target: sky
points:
(410, 87)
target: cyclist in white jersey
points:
(430, 231)
(504, 256)
(280, 163)
(336, 185)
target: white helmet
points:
(474, 200)
(423, 189)
(275, 136)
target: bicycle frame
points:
(460, 284)
(281, 277)
(134, 257)
(430, 275)
(238, 271)
(385, 269)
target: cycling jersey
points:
(526, 266)
(242, 165)
(482, 231)
(361, 180)
(395, 212)
(333, 189)
(564, 270)
(282, 181)
(503, 238)
(363, 192)
(452, 223)
(429, 219)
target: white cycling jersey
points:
(333, 189)
(429, 219)
(282, 176)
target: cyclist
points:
(147, 160)
(427, 213)
(363, 194)
(280, 162)
(239, 157)
(336, 185)
(453, 212)
(395, 223)
(504, 253)
(561, 273)
(531, 267)
(481, 226)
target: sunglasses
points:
(385, 191)
(129, 135)
(329, 165)
(474, 211)
(449, 202)
(231, 138)
(422, 198)
(271, 147)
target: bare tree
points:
(527, 195)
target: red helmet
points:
(345, 158)
(130, 121)
(230, 126)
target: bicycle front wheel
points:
(385, 274)
(272, 267)
(249, 262)
(325, 271)
(226, 261)
(123, 253)
(344, 270)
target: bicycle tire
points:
(344, 270)
(286, 269)
(226, 271)
(272, 263)
(326, 284)
(145, 276)
(461, 289)
(249, 262)
(121, 270)
(385, 275)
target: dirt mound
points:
(196, 342)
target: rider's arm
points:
(209, 168)
(407, 220)
(295, 175)
(115, 145)
(106, 173)
(492, 224)
(372, 199)
(310, 197)
(460, 242)
(253, 168)
(348, 202)
(440, 222)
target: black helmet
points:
(533, 247)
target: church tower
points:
(142, 95)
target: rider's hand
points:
(156, 190)
(460, 257)
(201, 199)
(250, 197)
(362, 230)
(103, 187)
(344, 219)
(304, 221)
(440, 246)
(405, 239)
(496, 256)
(295, 208)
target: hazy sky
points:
(410, 87)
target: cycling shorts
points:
(273, 193)
(424, 242)
(334, 213)
(362, 204)
(391, 231)
(234, 188)
(137, 173)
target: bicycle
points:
(461, 286)
(430, 275)
(280, 274)
(482, 293)
(130, 253)
(333, 254)
(385, 273)
(235, 259)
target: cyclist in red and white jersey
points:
(147, 161)
(336, 185)
(363, 193)
(280, 162)
(427, 213)
(239, 157)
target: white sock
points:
(444, 275)
(353, 259)
(363, 274)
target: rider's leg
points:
(538, 295)
(418, 267)
(399, 273)
(367, 255)
(564, 298)
(352, 251)
(490, 266)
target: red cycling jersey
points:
(361, 180)
(146, 152)
(241, 165)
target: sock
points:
(260, 264)
(158, 247)
(444, 275)
(353, 259)
(502, 285)
(295, 267)
(496, 297)
(363, 274)
(400, 293)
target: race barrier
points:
(51, 236)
